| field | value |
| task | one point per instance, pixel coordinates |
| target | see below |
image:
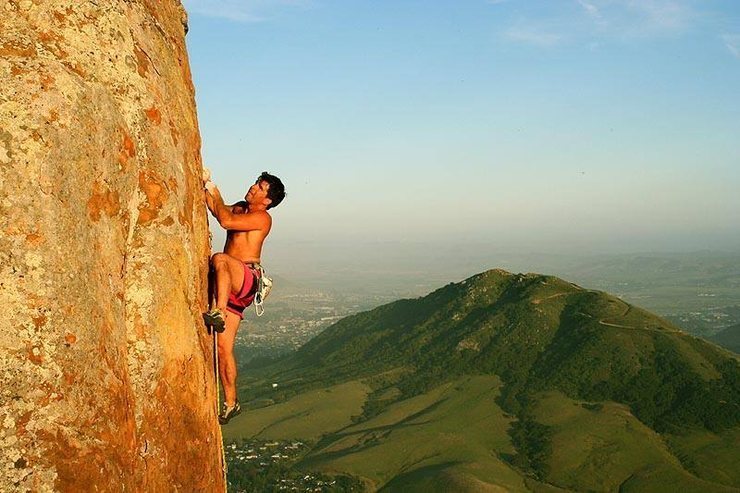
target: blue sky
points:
(553, 126)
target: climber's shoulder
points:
(239, 208)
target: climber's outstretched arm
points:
(214, 201)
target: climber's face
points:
(257, 193)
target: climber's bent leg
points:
(229, 277)
(226, 360)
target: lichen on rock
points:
(106, 378)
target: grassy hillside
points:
(603, 447)
(591, 393)
(536, 333)
(450, 431)
(307, 416)
(729, 338)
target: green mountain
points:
(520, 382)
(728, 338)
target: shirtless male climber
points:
(247, 224)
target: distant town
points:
(708, 321)
(291, 319)
(266, 466)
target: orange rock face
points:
(106, 376)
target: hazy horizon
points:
(306, 260)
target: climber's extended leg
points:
(227, 367)
(229, 273)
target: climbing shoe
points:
(215, 320)
(228, 412)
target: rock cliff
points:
(106, 379)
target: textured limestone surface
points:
(106, 380)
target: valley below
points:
(502, 382)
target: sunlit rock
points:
(106, 378)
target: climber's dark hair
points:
(276, 192)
